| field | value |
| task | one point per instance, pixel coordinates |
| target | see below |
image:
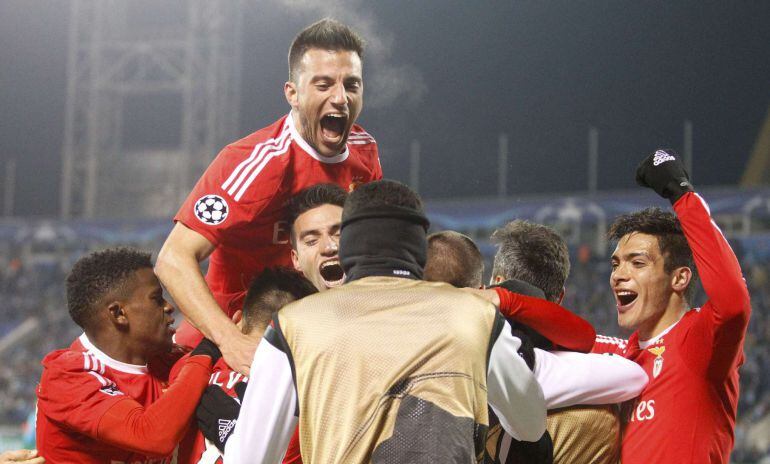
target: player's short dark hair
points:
(671, 240)
(382, 193)
(326, 34)
(455, 259)
(271, 290)
(310, 198)
(534, 253)
(96, 275)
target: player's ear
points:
(497, 279)
(117, 314)
(680, 279)
(292, 96)
(295, 260)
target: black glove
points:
(217, 413)
(207, 348)
(521, 287)
(664, 172)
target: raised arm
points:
(726, 313)
(178, 269)
(725, 316)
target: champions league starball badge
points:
(211, 209)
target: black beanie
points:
(384, 240)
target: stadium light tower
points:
(188, 51)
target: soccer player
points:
(98, 400)
(537, 254)
(314, 217)
(365, 366)
(687, 411)
(268, 292)
(235, 212)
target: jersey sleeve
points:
(559, 325)
(236, 187)
(512, 390)
(718, 333)
(570, 379)
(74, 392)
(267, 419)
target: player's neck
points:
(118, 348)
(675, 309)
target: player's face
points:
(643, 289)
(149, 314)
(317, 237)
(327, 98)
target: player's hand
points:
(485, 293)
(21, 456)
(217, 414)
(238, 351)
(664, 172)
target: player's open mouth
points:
(332, 273)
(333, 127)
(170, 326)
(625, 298)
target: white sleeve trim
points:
(266, 421)
(569, 378)
(513, 393)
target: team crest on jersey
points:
(211, 209)
(657, 366)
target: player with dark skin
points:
(100, 399)
(325, 92)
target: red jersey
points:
(78, 386)
(238, 204)
(196, 449)
(686, 414)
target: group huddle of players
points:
(332, 328)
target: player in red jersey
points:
(235, 212)
(98, 401)
(687, 411)
(267, 293)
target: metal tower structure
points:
(119, 50)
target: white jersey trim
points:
(95, 357)
(255, 160)
(310, 150)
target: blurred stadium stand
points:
(37, 254)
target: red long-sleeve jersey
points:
(686, 414)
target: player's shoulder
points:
(358, 137)
(607, 344)
(273, 137)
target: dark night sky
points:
(455, 74)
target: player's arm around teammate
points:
(177, 267)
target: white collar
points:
(310, 150)
(643, 344)
(108, 361)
